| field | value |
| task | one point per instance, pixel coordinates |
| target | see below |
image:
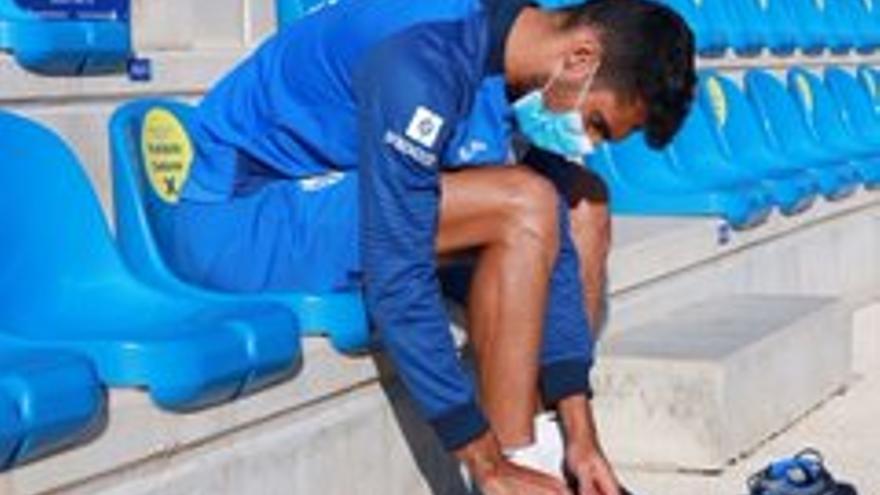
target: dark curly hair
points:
(648, 53)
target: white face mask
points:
(562, 133)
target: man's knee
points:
(533, 209)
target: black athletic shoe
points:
(803, 474)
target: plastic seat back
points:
(808, 15)
(734, 119)
(58, 229)
(784, 29)
(755, 19)
(869, 77)
(872, 20)
(151, 156)
(858, 107)
(843, 23)
(779, 114)
(819, 109)
(782, 32)
(741, 35)
(696, 151)
(864, 24)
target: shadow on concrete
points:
(439, 468)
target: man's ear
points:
(584, 52)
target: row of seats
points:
(744, 27)
(782, 26)
(744, 152)
(747, 27)
(81, 313)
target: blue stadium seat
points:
(139, 215)
(736, 125)
(825, 118)
(865, 24)
(710, 42)
(66, 287)
(782, 121)
(66, 38)
(49, 400)
(755, 20)
(641, 182)
(773, 21)
(742, 36)
(843, 23)
(793, 191)
(869, 77)
(856, 103)
(819, 29)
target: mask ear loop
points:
(557, 73)
(588, 84)
(585, 88)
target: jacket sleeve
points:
(408, 104)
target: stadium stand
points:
(68, 289)
(142, 195)
(67, 38)
(704, 320)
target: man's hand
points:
(495, 475)
(583, 454)
(591, 470)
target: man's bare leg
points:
(510, 215)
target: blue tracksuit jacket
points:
(398, 91)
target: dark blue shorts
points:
(284, 235)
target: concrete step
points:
(703, 384)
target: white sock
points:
(546, 454)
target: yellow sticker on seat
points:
(806, 92)
(167, 152)
(718, 100)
